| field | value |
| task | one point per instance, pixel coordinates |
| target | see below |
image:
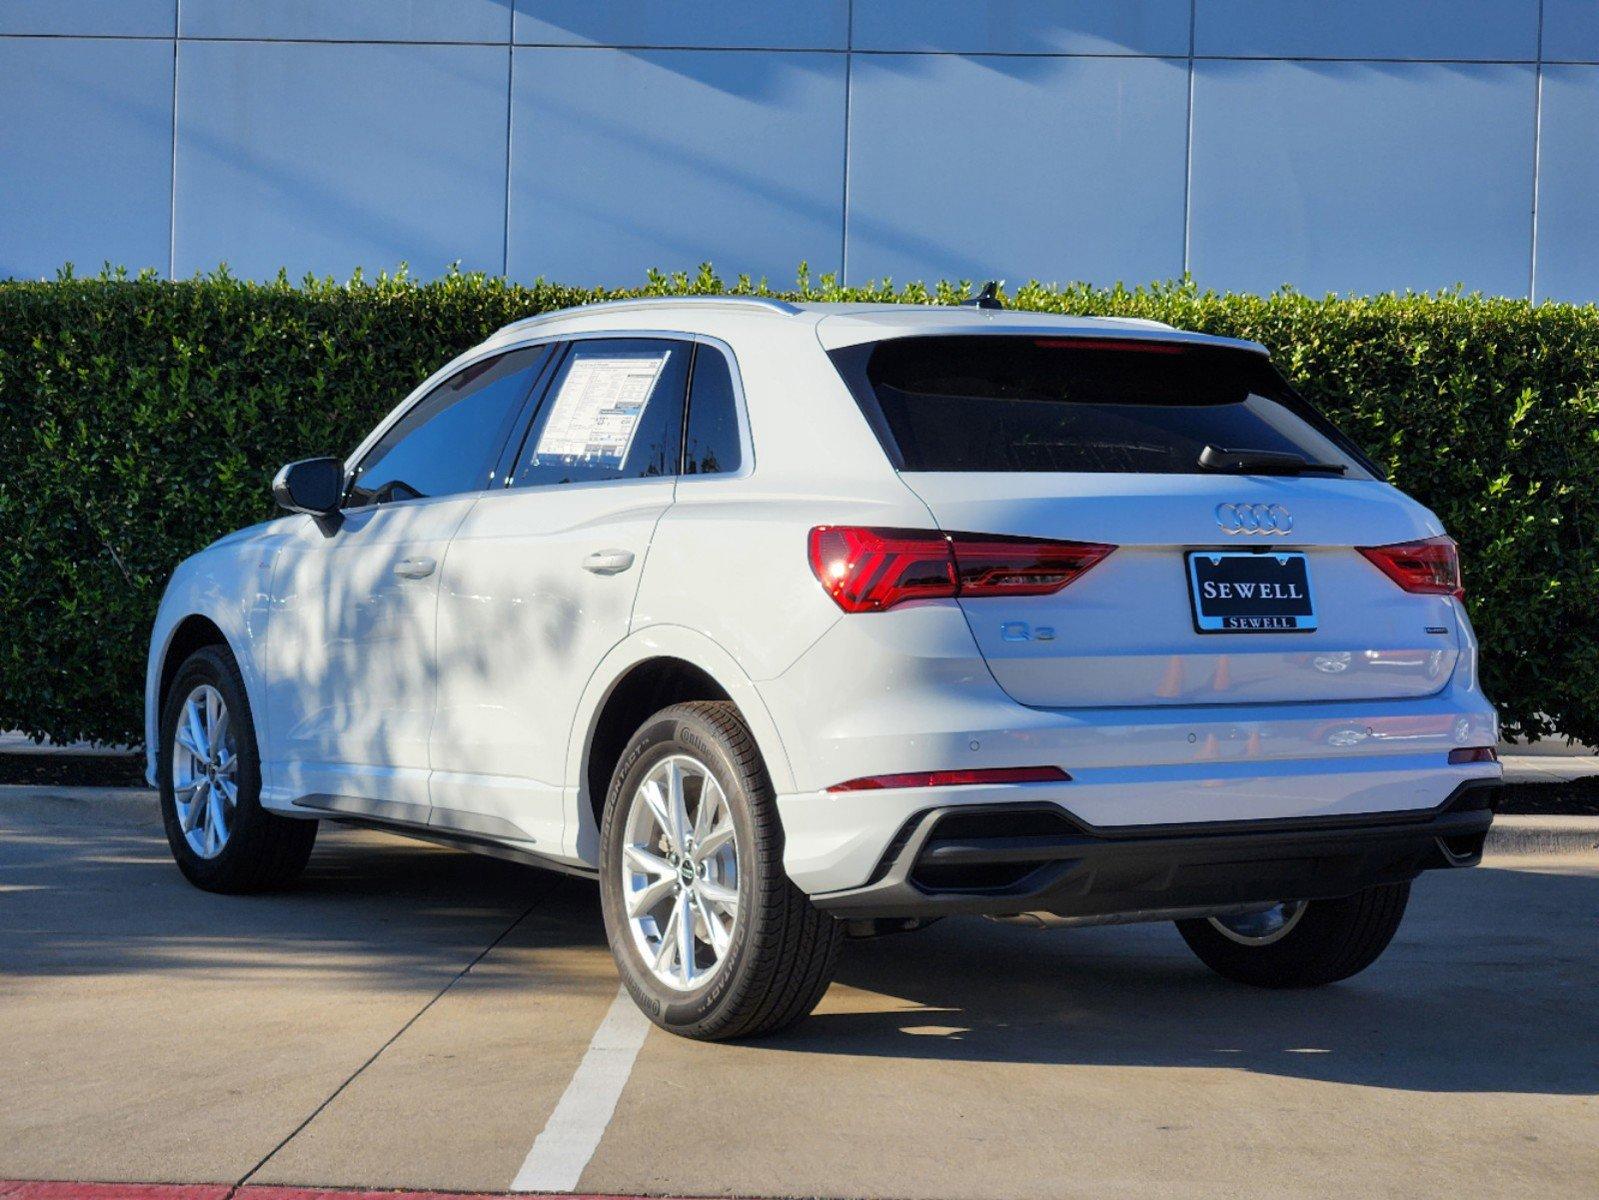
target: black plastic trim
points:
(1085, 870)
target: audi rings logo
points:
(1254, 518)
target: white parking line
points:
(574, 1129)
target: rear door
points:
(540, 582)
(1226, 586)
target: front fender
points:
(230, 585)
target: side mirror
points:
(312, 485)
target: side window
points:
(614, 411)
(446, 443)
(711, 446)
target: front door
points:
(351, 665)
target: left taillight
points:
(869, 570)
(1428, 568)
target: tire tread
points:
(1334, 940)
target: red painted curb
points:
(22, 1189)
(56, 1189)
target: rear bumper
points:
(1021, 857)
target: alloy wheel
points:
(680, 873)
(1261, 928)
(205, 764)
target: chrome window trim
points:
(418, 394)
(740, 406)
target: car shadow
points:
(1489, 986)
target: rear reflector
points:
(869, 570)
(1430, 568)
(966, 778)
(1473, 754)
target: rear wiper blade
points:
(1264, 462)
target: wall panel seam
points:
(1537, 165)
(172, 178)
(510, 100)
(849, 84)
(1188, 148)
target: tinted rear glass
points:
(993, 403)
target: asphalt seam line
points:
(570, 1137)
(398, 1033)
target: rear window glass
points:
(997, 403)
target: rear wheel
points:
(209, 773)
(710, 937)
(1300, 943)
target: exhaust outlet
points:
(1052, 920)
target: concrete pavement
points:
(409, 1017)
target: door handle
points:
(608, 562)
(414, 568)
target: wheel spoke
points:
(230, 792)
(641, 902)
(713, 841)
(656, 800)
(705, 817)
(679, 809)
(663, 955)
(718, 932)
(189, 811)
(718, 894)
(216, 818)
(641, 860)
(185, 739)
(198, 744)
(685, 942)
(219, 736)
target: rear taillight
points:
(958, 778)
(1430, 568)
(1473, 754)
(869, 570)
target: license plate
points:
(1241, 592)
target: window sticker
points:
(598, 408)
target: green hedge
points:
(141, 419)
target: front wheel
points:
(711, 938)
(209, 771)
(1300, 943)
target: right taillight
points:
(1430, 568)
(869, 570)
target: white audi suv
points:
(792, 622)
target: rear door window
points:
(1001, 404)
(613, 411)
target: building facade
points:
(1356, 145)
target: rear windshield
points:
(997, 403)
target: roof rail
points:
(765, 303)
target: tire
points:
(1331, 940)
(259, 850)
(779, 954)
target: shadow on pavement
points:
(1489, 987)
